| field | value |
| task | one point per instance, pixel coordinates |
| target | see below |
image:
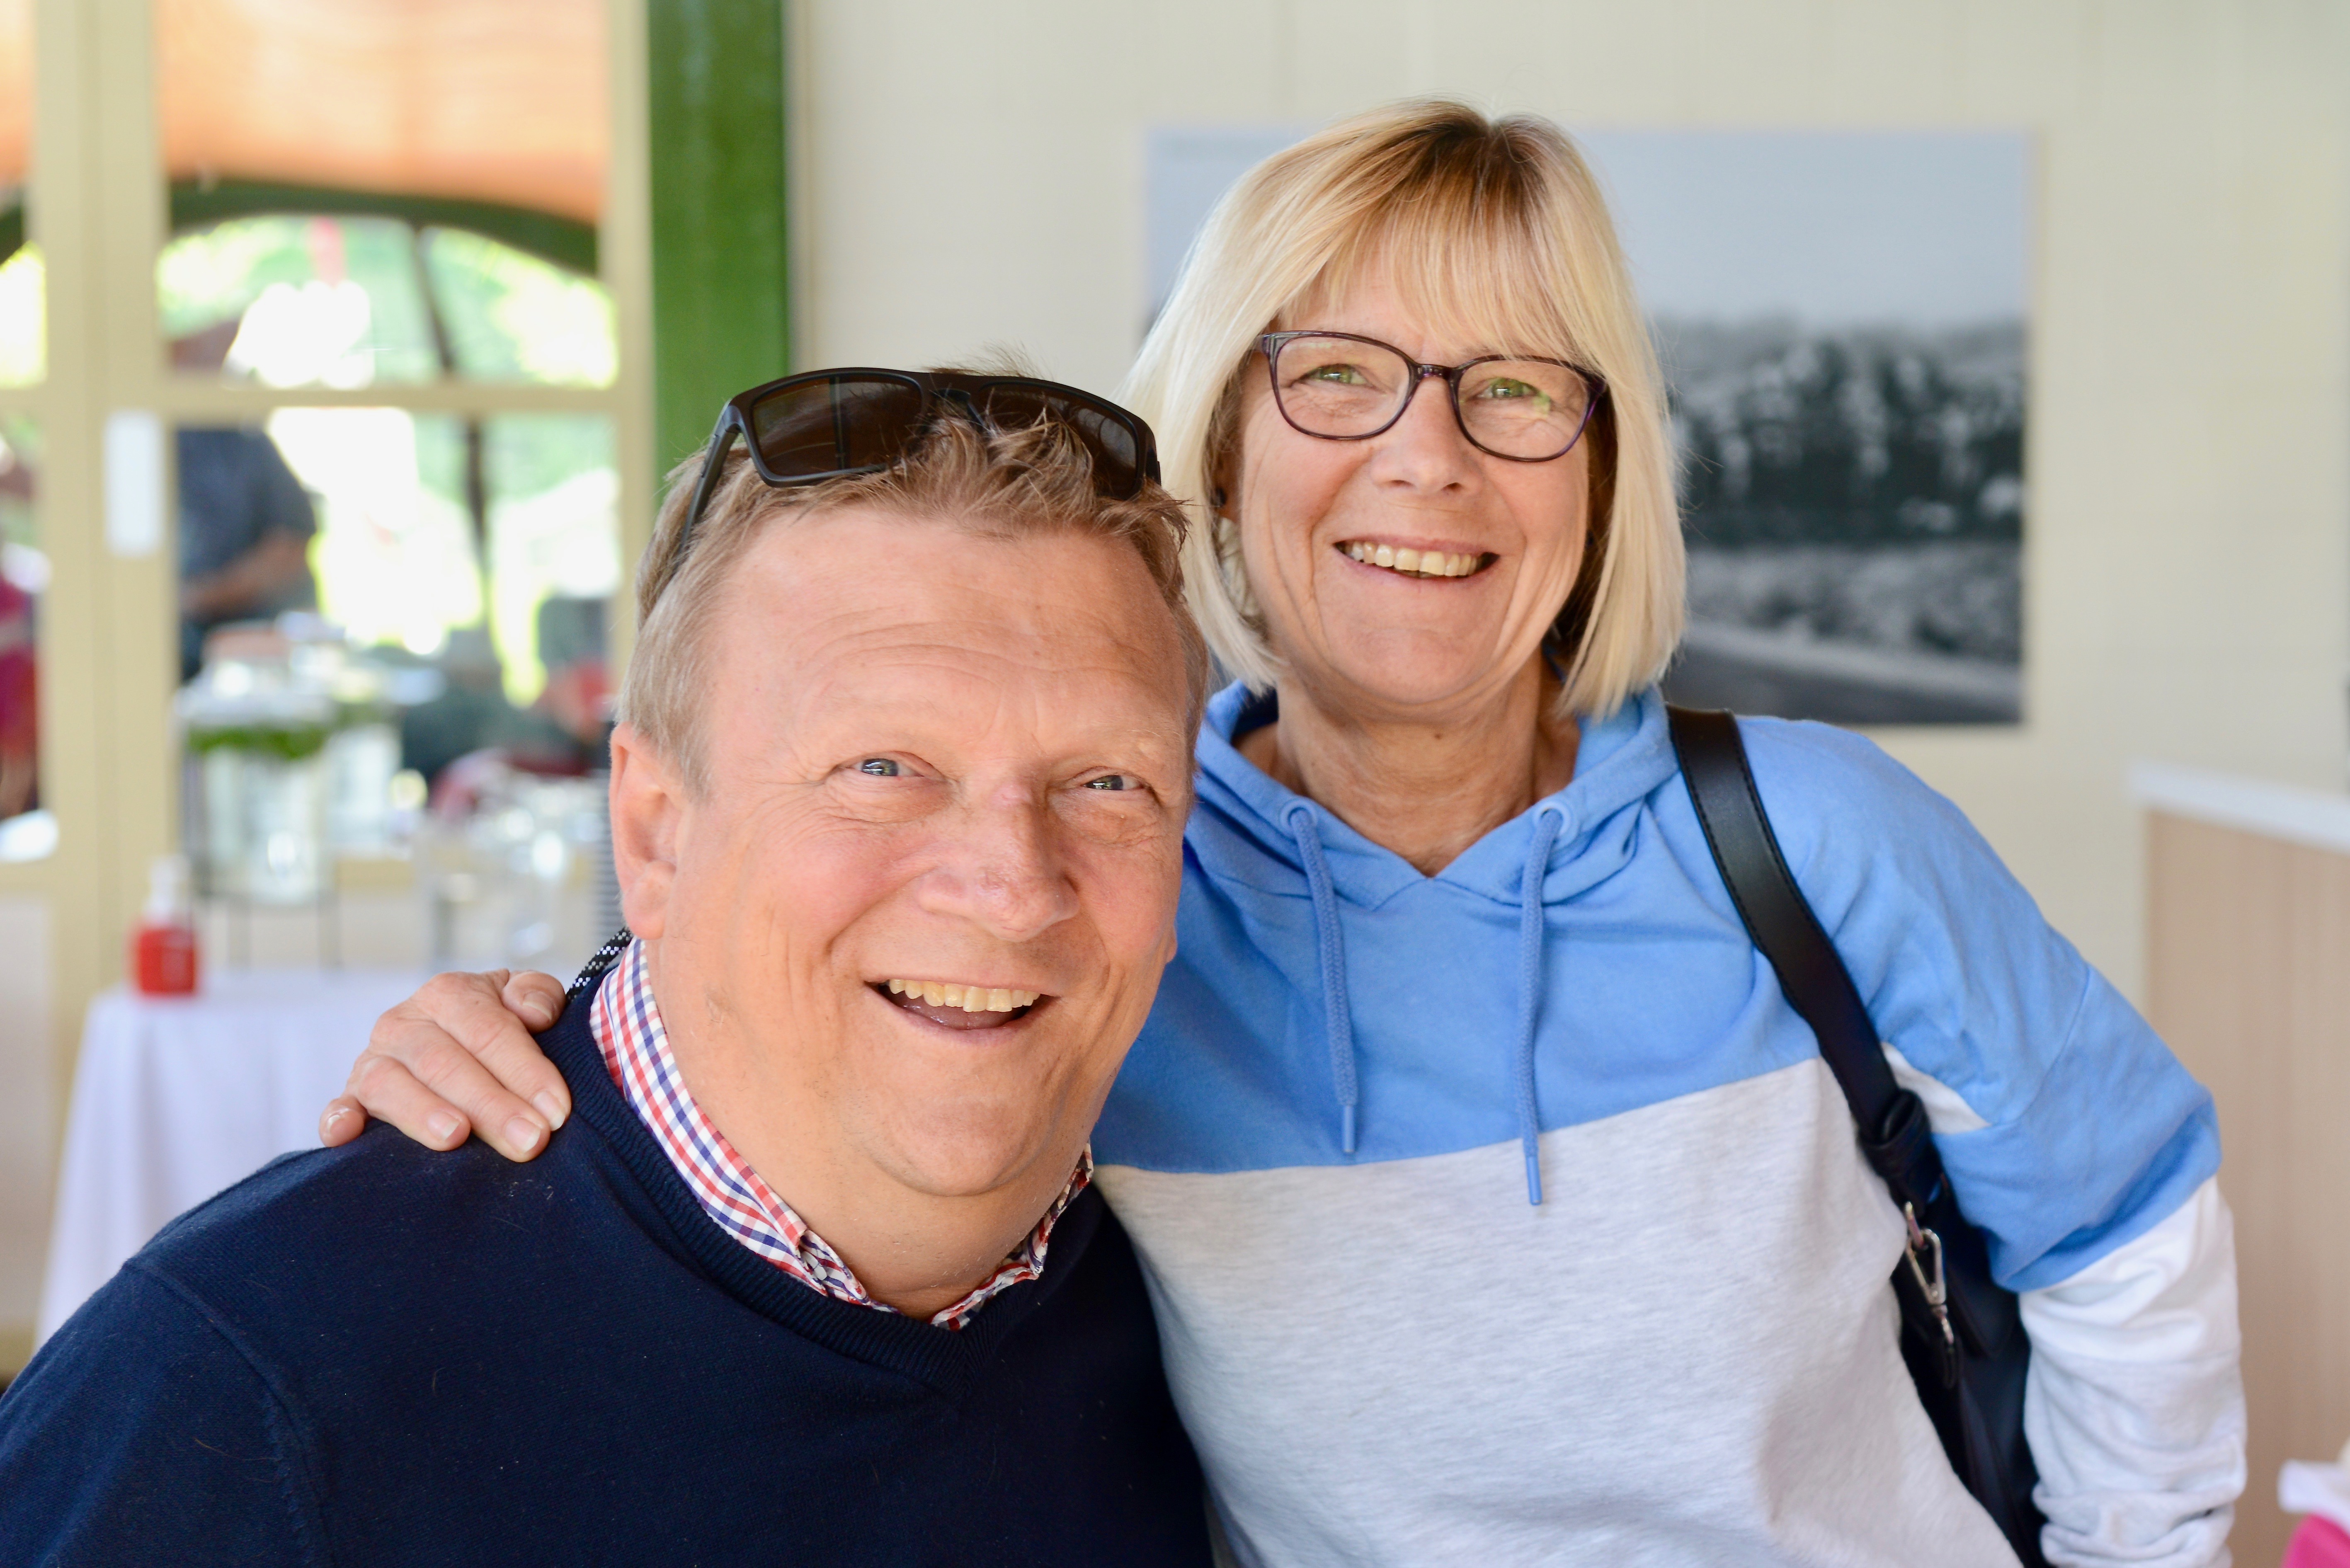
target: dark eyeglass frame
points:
(940, 391)
(1271, 343)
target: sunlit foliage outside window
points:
(24, 349)
(340, 301)
(395, 558)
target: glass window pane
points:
(555, 560)
(23, 318)
(512, 317)
(394, 559)
(401, 504)
(294, 301)
(23, 326)
(27, 831)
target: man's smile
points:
(958, 1005)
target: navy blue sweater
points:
(377, 1353)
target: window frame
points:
(98, 202)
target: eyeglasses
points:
(830, 424)
(1341, 387)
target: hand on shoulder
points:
(457, 1059)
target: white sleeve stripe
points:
(1945, 1111)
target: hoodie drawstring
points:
(1299, 820)
(1530, 974)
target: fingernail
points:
(537, 1015)
(337, 1114)
(524, 1134)
(549, 1107)
(443, 1124)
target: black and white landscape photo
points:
(1842, 320)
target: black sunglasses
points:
(829, 424)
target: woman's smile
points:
(1425, 562)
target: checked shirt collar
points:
(628, 1029)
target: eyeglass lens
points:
(1110, 441)
(835, 425)
(846, 423)
(1342, 388)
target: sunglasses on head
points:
(830, 424)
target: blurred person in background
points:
(578, 692)
(20, 720)
(1497, 1206)
(471, 720)
(20, 715)
(245, 521)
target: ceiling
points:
(15, 90)
(500, 101)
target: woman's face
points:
(1371, 641)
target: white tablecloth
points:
(178, 1097)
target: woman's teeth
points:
(970, 998)
(1412, 563)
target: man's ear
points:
(648, 804)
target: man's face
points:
(955, 764)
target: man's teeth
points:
(970, 998)
(1418, 563)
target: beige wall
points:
(970, 175)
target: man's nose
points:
(1004, 873)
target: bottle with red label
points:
(164, 948)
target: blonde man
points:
(815, 1270)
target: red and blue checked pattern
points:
(627, 1027)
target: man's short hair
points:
(1036, 480)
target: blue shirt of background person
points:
(245, 525)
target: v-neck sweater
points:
(377, 1353)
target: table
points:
(178, 1097)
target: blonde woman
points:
(1495, 1205)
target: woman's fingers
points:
(386, 1087)
(341, 1121)
(434, 1068)
(498, 1033)
(536, 999)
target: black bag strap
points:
(1894, 1133)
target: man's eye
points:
(879, 767)
(1111, 780)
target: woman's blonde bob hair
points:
(1494, 233)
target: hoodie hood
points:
(1241, 831)
(1253, 835)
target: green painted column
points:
(721, 315)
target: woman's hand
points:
(457, 1057)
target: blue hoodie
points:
(1326, 1142)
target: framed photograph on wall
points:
(1842, 317)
